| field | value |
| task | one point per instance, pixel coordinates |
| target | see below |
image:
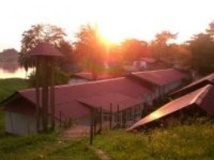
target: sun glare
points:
(110, 35)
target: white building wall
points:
(19, 124)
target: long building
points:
(75, 102)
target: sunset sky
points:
(116, 19)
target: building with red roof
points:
(74, 102)
(201, 99)
(209, 79)
(162, 82)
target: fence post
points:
(110, 116)
(95, 122)
(60, 119)
(118, 115)
(124, 118)
(101, 119)
(91, 127)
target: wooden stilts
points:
(52, 95)
(38, 115)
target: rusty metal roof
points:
(160, 77)
(194, 85)
(67, 96)
(45, 49)
(202, 98)
(115, 99)
(89, 76)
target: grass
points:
(47, 147)
(192, 142)
(8, 86)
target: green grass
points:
(192, 142)
(47, 146)
(8, 86)
(177, 142)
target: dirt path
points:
(76, 131)
(100, 153)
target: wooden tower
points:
(45, 55)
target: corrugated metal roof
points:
(194, 85)
(89, 76)
(203, 98)
(123, 101)
(67, 96)
(161, 77)
(45, 49)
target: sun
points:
(111, 35)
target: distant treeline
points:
(9, 56)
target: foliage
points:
(115, 60)
(160, 46)
(36, 34)
(61, 77)
(134, 49)
(90, 49)
(202, 48)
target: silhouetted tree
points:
(115, 60)
(90, 49)
(69, 63)
(50, 34)
(134, 49)
(36, 34)
(160, 45)
(202, 48)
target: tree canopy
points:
(134, 49)
(90, 49)
(202, 48)
(160, 46)
(36, 34)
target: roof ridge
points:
(201, 95)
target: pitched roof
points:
(45, 49)
(148, 59)
(114, 100)
(160, 77)
(89, 76)
(202, 98)
(68, 96)
(194, 85)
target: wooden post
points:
(60, 119)
(38, 115)
(95, 121)
(110, 116)
(52, 95)
(124, 118)
(101, 119)
(118, 115)
(91, 128)
(45, 95)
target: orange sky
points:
(117, 19)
